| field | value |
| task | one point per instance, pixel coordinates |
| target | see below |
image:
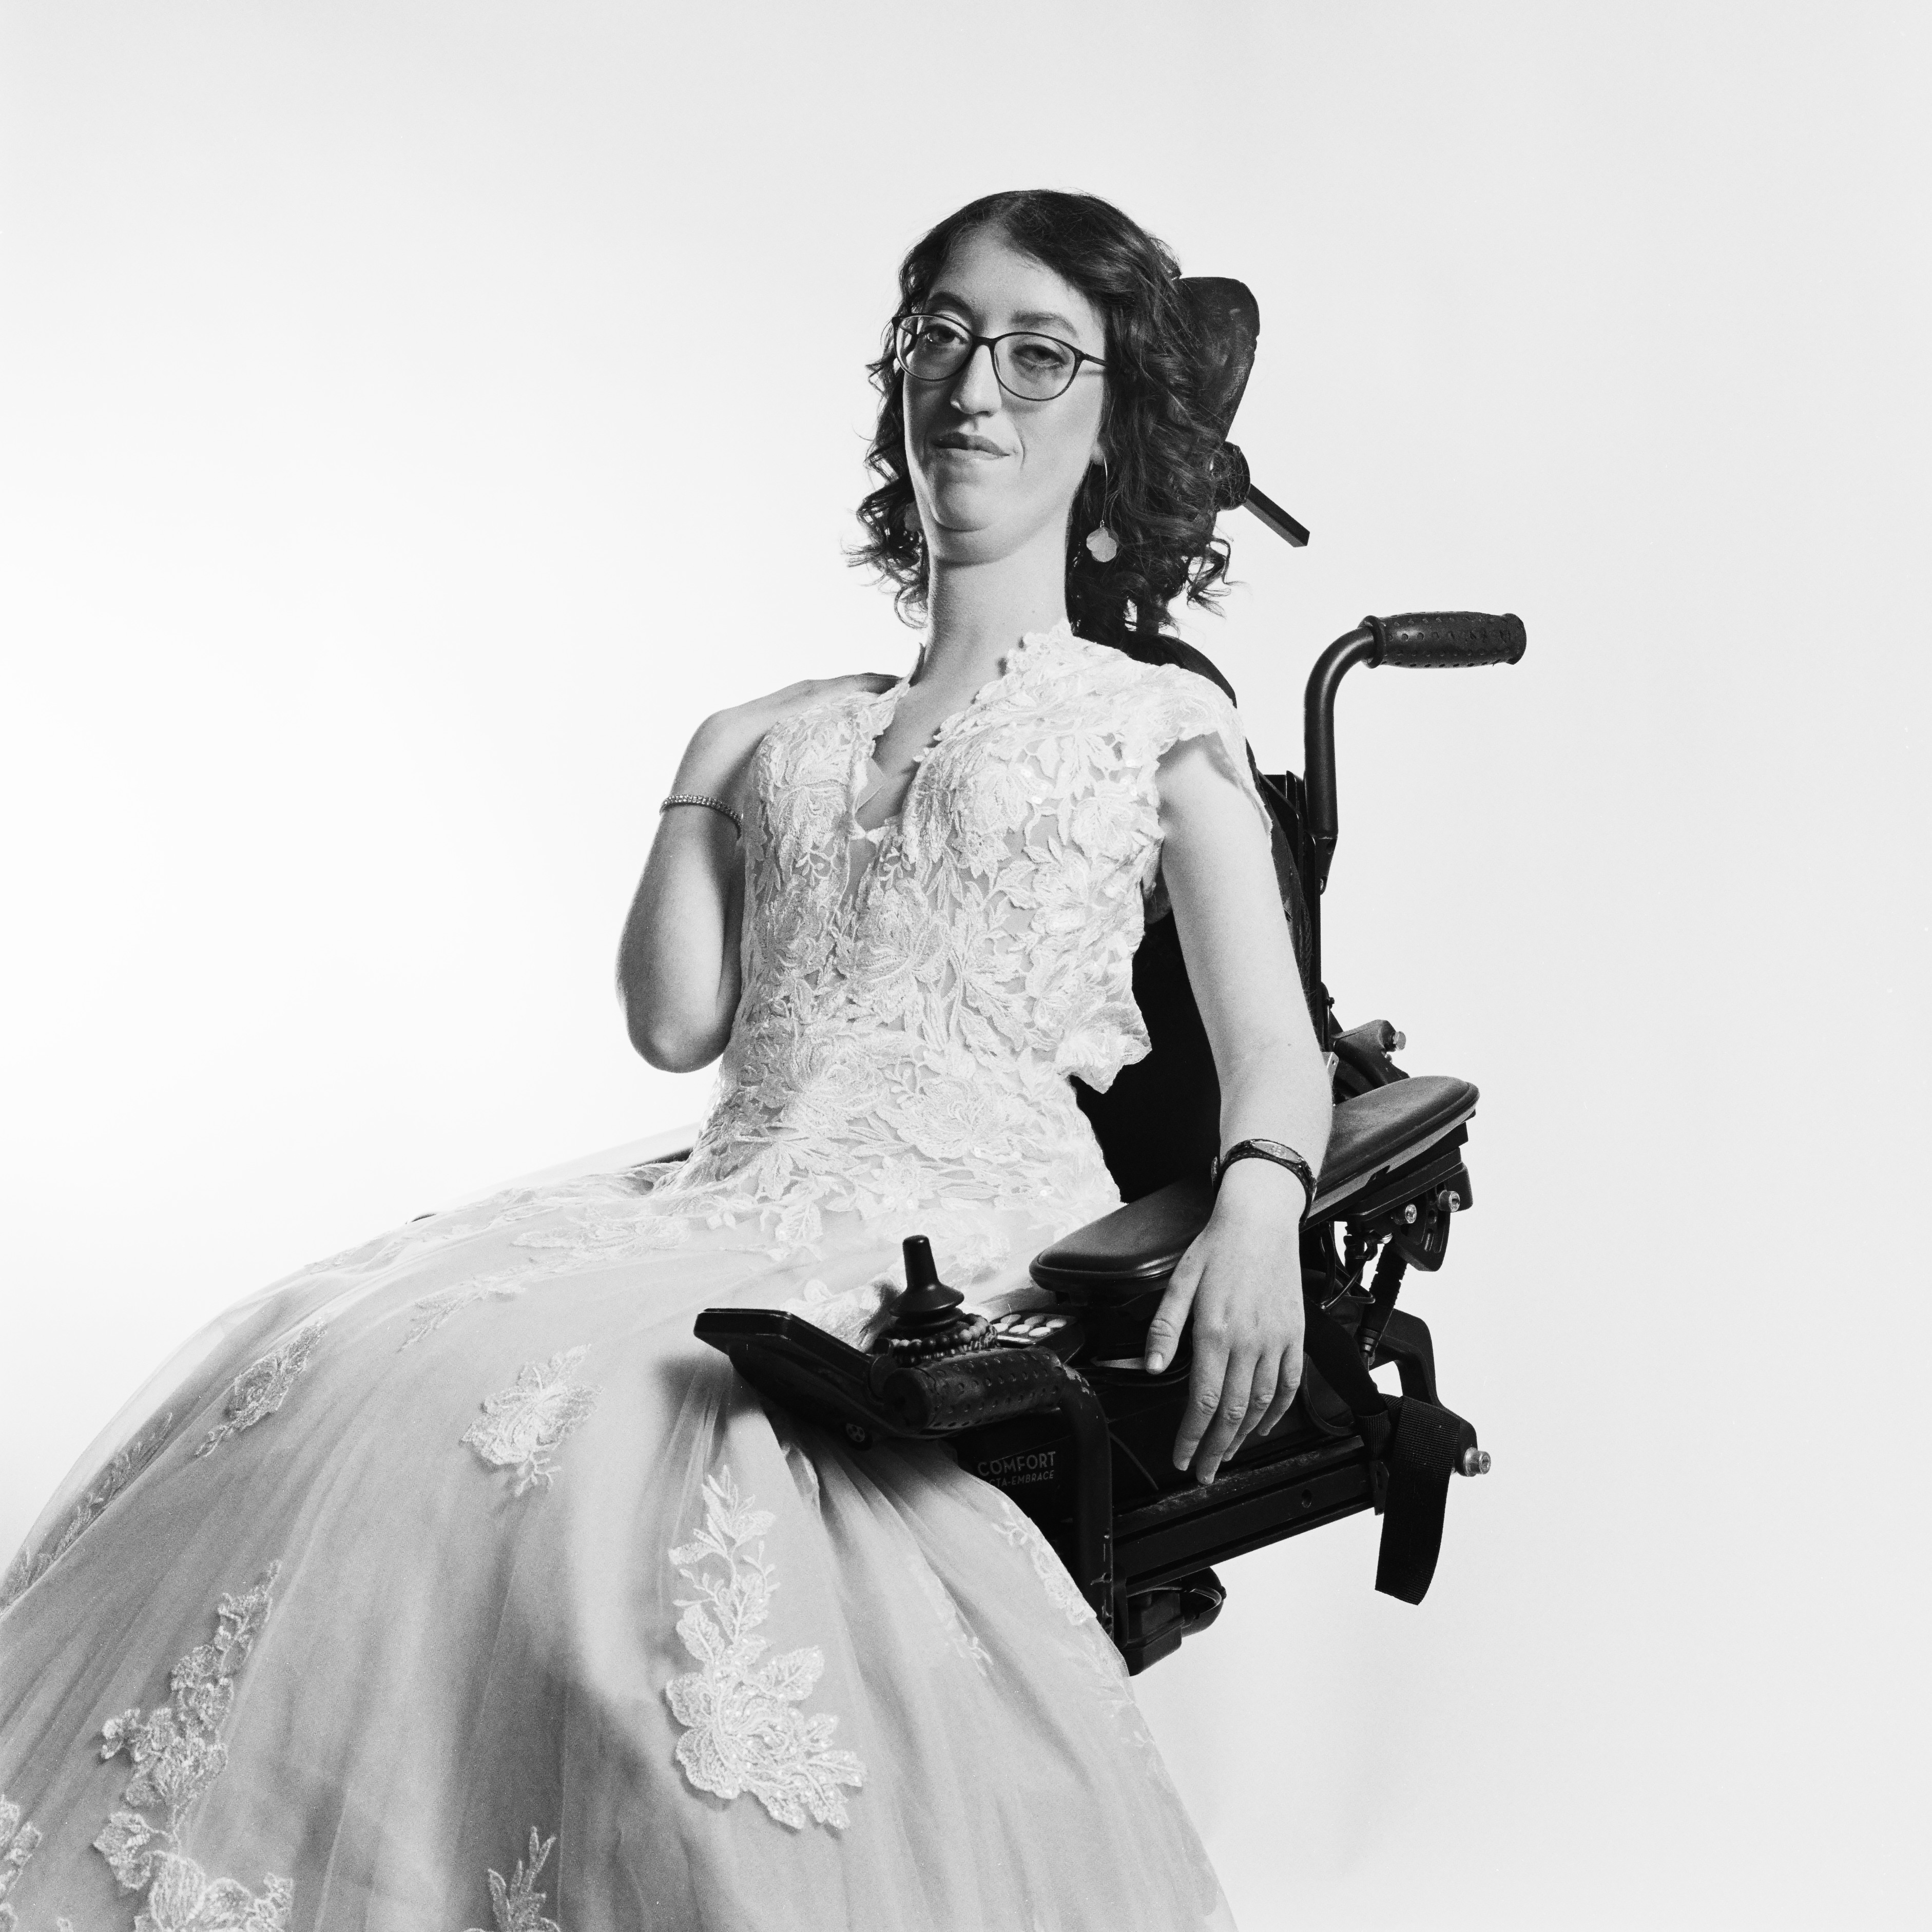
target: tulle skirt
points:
(452, 1584)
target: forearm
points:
(1275, 1089)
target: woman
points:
(451, 1580)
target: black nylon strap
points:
(1428, 1443)
(1339, 1362)
(1417, 1442)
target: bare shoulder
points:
(808, 693)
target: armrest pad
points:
(1135, 1249)
(1385, 1125)
(1132, 1249)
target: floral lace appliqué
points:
(1062, 1592)
(263, 1386)
(18, 1840)
(518, 1905)
(523, 1426)
(959, 1634)
(744, 1730)
(178, 1752)
(906, 1033)
(29, 1567)
(428, 1312)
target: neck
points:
(977, 611)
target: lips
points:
(967, 445)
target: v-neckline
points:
(877, 720)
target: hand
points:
(1241, 1282)
(720, 751)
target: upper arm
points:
(1219, 869)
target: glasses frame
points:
(974, 345)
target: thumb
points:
(1163, 1335)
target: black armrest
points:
(1375, 1130)
(1135, 1249)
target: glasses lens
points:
(931, 346)
(1036, 366)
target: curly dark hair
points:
(1157, 493)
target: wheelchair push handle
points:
(1430, 639)
(1447, 640)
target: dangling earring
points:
(909, 522)
(1102, 546)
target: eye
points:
(1042, 356)
(938, 331)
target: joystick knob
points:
(929, 1321)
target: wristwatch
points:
(1277, 1151)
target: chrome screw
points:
(1449, 1201)
(1475, 1463)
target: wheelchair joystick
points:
(929, 1322)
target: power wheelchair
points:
(1049, 1401)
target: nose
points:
(975, 389)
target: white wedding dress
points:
(451, 1584)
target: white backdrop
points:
(414, 417)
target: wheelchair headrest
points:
(1229, 321)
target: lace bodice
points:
(914, 999)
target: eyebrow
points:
(1032, 318)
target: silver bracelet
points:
(709, 803)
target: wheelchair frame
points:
(1051, 1407)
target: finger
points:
(1218, 1444)
(1204, 1388)
(1286, 1388)
(1163, 1334)
(1223, 1408)
(1260, 1400)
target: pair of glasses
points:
(1034, 367)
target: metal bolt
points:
(1409, 1215)
(1449, 1201)
(1475, 1463)
(1400, 1041)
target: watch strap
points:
(1277, 1151)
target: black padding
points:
(1376, 1129)
(1135, 1247)
(1158, 647)
(1160, 1121)
(1421, 1457)
(1447, 640)
(1131, 1250)
(965, 1391)
(1229, 322)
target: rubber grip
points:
(1446, 640)
(963, 1391)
